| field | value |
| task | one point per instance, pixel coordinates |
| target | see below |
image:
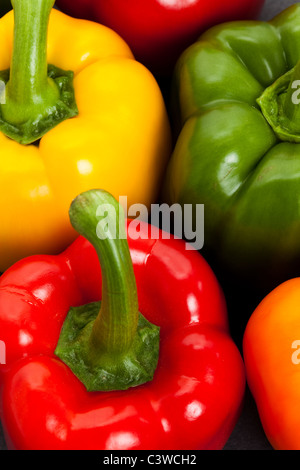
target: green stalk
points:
(29, 90)
(116, 324)
(37, 96)
(108, 345)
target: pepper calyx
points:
(34, 128)
(281, 106)
(107, 372)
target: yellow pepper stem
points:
(35, 101)
(29, 89)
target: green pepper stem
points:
(292, 102)
(29, 90)
(116, 324)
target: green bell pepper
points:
(237, 105)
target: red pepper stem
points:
(109, 345)
(98, 217)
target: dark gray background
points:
(248, 434)
(273, 7)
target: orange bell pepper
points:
(272, 357)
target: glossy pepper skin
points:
(195, 397)
(271, 351)
(229, 158)
(158, 31)
(120, 137)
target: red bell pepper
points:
(159, 30)
(195, 388)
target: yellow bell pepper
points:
(119, 141)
